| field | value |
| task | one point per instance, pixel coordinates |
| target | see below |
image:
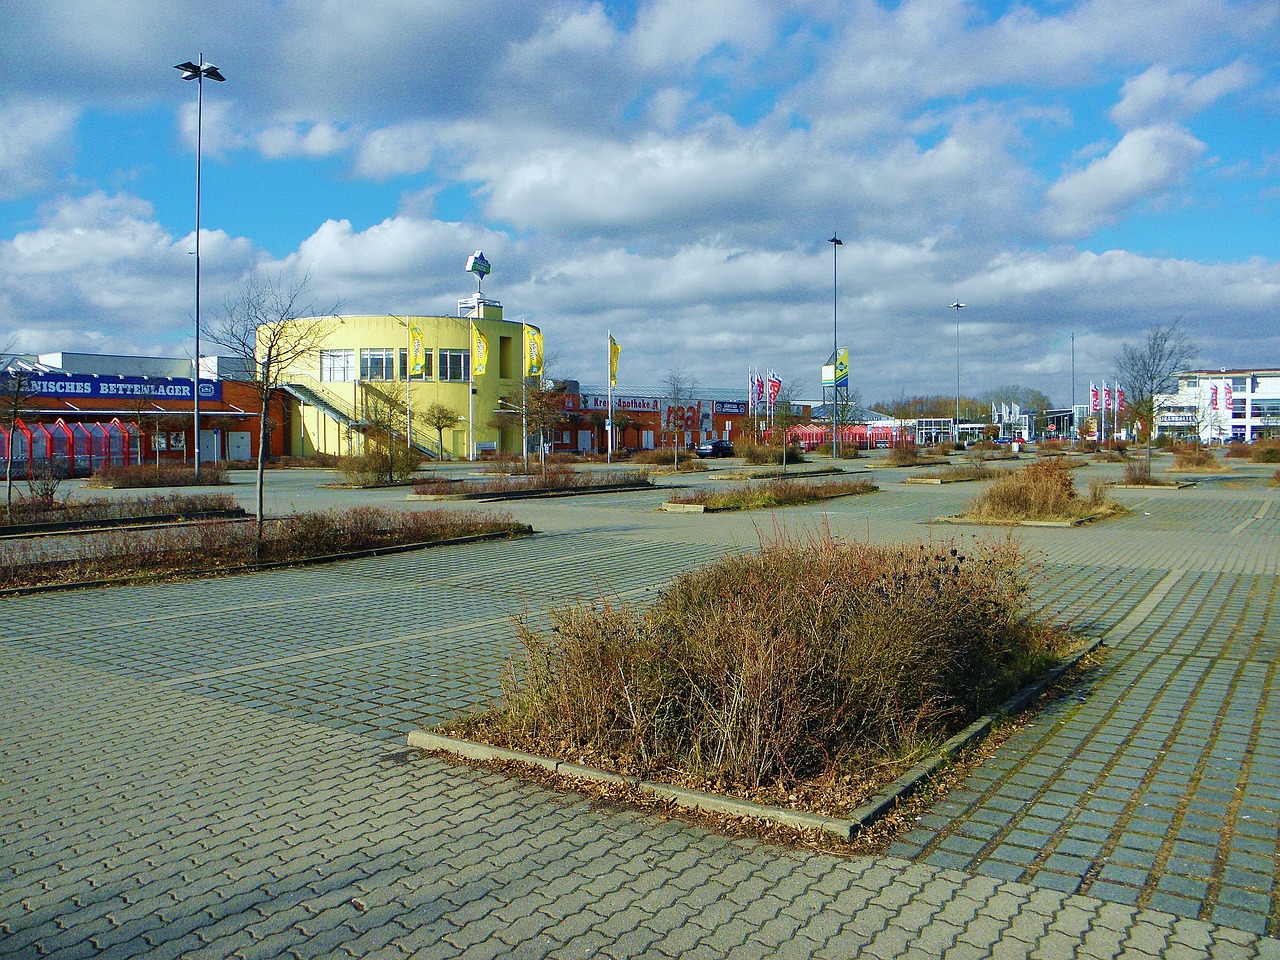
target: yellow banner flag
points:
(417, 350)
(614, 351)
(479, 351)
(532, 351)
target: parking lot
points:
(217, 768)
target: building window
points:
(455, 365)
(337, 365)
(426, 365)
(378, 363)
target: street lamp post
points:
(957, 306)
(198, 72)
(836, 244)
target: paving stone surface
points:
(217, 769)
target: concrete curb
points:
(845, 829)
(966, 522)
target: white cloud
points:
(101, 266)
(1158, 95)
(671, 32)
(392, 151)
(1144, 164)
(35, 143)
(303, 140)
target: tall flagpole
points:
(408, 386)
(524, 392)
(608, 424)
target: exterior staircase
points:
(310, 391)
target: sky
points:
(668, 170)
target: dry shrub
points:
(1238, 450)
(761, 454)
(379, 465)
(1137, 472)
(1266, 451)
(143, 475)
(656, 456)
(784, 664)
(1043, 490)
(210, 545)
(33, 510)
(903, 454)
(1193, 457)
(1051, 448)
(1275, 479)
(555, 477)
(781, 492)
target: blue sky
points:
(668, 170)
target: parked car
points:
(714, 448)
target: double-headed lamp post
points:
(198, 72)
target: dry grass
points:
(782, 492)
(1194, 458)
(1044, 491)
(903, 455)
(1266, 451)
(809, 667)
(1138, 473)
(42, 510)
(759, 454)
(971, 471)
(206, 547)
(557, 477)
(140, 475)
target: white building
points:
(1220, 406)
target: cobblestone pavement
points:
(217, 769)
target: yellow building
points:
(369, 374)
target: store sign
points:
(600, 401)
(1171, 418)
(87, 387)
(734, 407)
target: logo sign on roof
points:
(87, 387)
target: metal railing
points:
(315, 393)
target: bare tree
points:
(387, 416)
(272, 328)
(785, 416)
(681, 386)
(1150, 369)
(17, 388)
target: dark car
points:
(714, 448)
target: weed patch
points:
(124, 555)
(782, 492)
(138, 475)
(1043, 491)
(28, 510)
(815, 668)
(557, 477)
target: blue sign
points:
(736, 407)
(89, 387)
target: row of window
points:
(1259, 408)
(392, 363)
